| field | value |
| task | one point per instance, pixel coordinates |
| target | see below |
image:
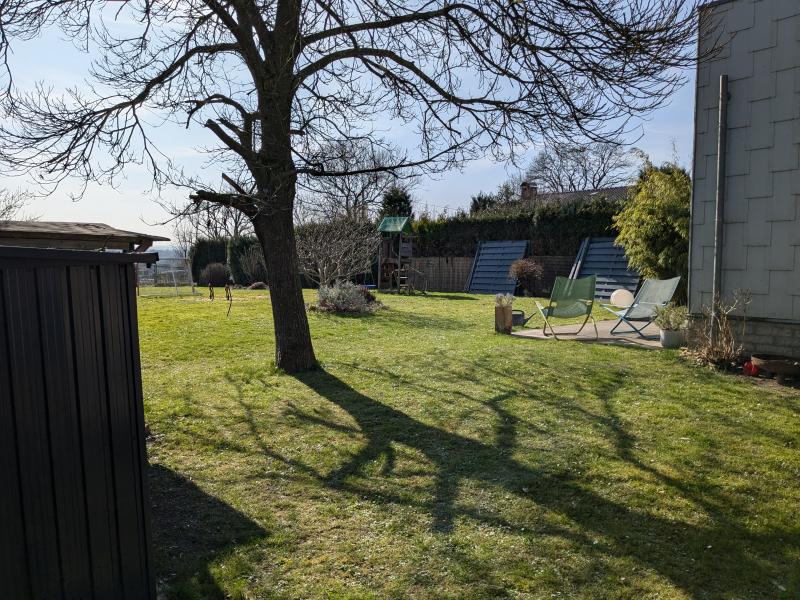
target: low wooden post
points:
(502, 319)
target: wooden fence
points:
(450, 273)
(441, 273)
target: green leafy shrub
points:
(671, 317)
(654, 225)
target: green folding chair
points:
(653, 294)
(569, 299)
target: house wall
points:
(772, 338)
(760, 52)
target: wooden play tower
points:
(394, 254)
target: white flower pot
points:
(673, 339)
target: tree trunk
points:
(293, 349)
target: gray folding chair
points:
(652, 294)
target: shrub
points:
(654, 226)
(257, 285)
(206, 251)
(216, 274)
(397, 202)
(346, 297)
(503, 300)
(671, 317)
(248, 259)
(527, 272)
(241, 254)
(481, 201)
(722, 350)
(337, 249)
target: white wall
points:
(760, 53)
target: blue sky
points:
(131, 205)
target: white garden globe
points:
(621, 298)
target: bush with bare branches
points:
(252, 263)
(337, 249)
(527, 272)
(715, 337)
(11, 204)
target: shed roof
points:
(84, 236)
(395, 225)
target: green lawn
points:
(432, 458)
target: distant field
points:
(433, 458)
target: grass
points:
(432, 458)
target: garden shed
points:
(745, 213)
(74, 511)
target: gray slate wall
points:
(761, 55)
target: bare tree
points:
(274, 81)
(591, 166)
(11, 204)
(252, 263)
(355, 195)
(210, 220)
(183, 238)
(341, 248)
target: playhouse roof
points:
(395, 225)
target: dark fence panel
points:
(441, 273)
(74, 509)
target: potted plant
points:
(502, 312)
(671, 319)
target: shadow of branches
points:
(646, 536)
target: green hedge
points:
(551, 230)
(221, 250)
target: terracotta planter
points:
(502, 319)
(673, 339)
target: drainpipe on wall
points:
(719, 215)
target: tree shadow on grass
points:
(388, 315)
(678, 551)
(191, 529)
(450, 296)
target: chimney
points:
(527, 192)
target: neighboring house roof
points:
(83, 236)
(395, 225)
(610, 193)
